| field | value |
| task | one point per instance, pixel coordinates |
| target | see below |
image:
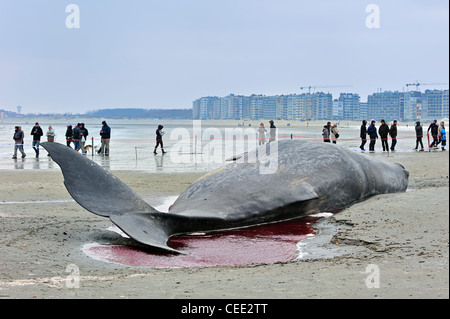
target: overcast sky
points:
(167, 53)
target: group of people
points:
(37, 133)
(330, 133)
(262, 133)
(78, 135)
(384, 131)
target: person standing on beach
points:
(37, 133)
(105, 133)
(441, 126)
(384, 132)
(159, 141)
(273, 132)
(434, 128)
(419, 135)
(262, 134)
(69, 135)
(372, 131)
(363, 135)
(334, 133)
(76, 137)
(83, 137)
(326, 134)
(50, 134)
(443, 136)
(18, 142)
(393, 134)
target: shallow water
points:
(189, 144)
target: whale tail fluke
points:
(103, 194)
(152, 229)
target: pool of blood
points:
(265, 244)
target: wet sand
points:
(399, 241)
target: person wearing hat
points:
(36, 132)
(105, 134)
(419, 135)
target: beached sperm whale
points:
(309, 177)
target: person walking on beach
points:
(372, 131)
(443, 136)
(326, 134)
(419, 135)
(159, 141)
(262, 134)
(105, 133)
(69, 135)
(384, 132)
(393, 134)
(76, 137)
(83, 138)
(334, 133)
(434, 128)
(37, 132)
(363, 135)
(273, 131)
(18, 142)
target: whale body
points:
(309, 177)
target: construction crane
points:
(322, 87)
(417, 84)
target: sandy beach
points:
(389, 246)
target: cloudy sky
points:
(167, 53)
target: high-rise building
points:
(384, 105)
(350, 104)
(435, 104)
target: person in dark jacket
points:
(384, 132)
(18, 142)
(419, 135)
(83, 137)
(372, 131)
(363, 135)
(434, 128)
(69, 135)
(326, 134)
(37, 132)
(273, 131)
(76, 137)
(105, 134)
(159, 141)
(393, 134)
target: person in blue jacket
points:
(372, 131)
(443, 136)
(105, 133)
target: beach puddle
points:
(266, 244)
